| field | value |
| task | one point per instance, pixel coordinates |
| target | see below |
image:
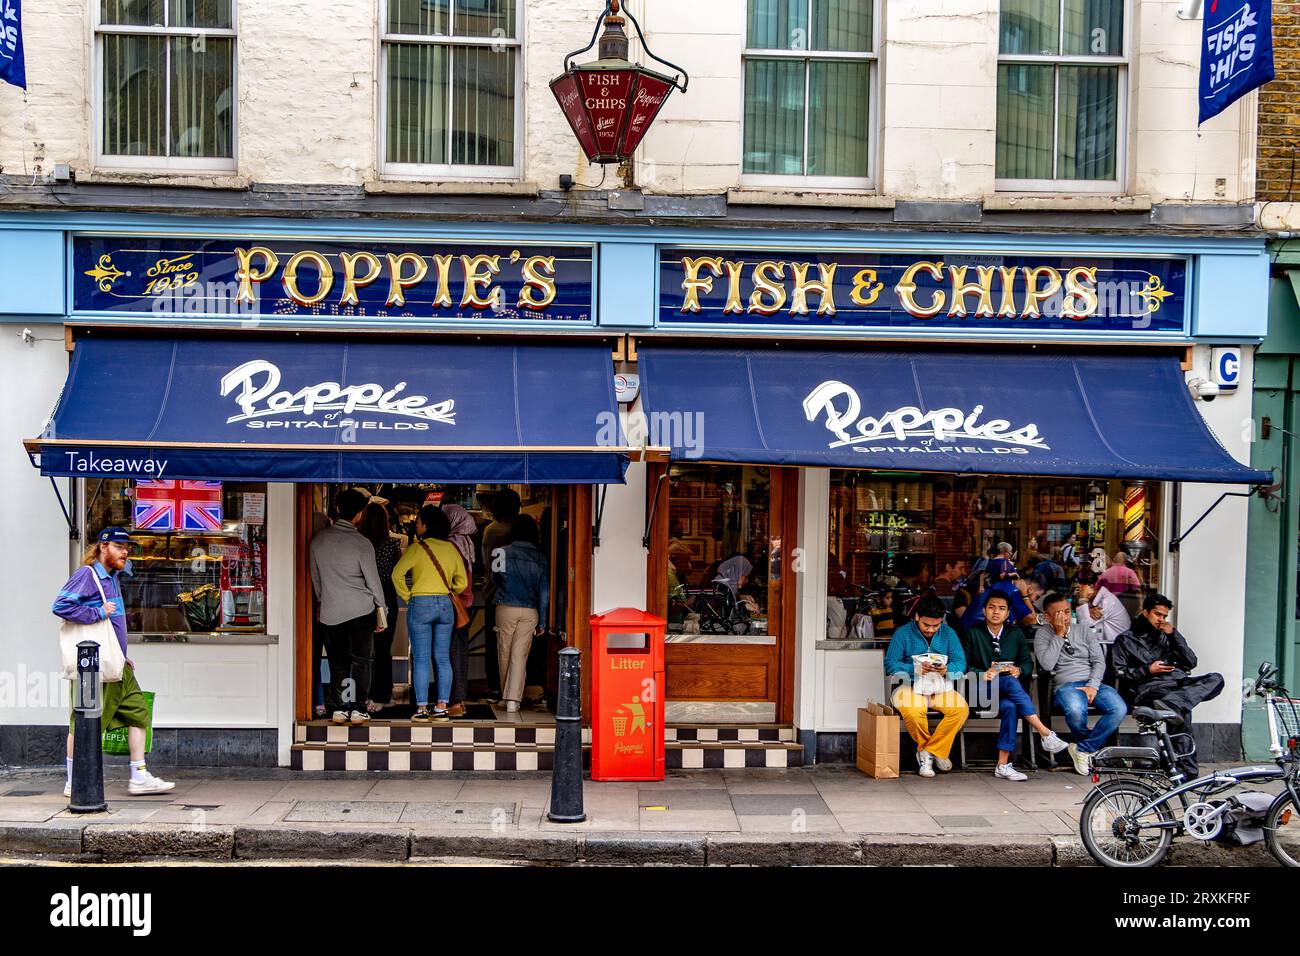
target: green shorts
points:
(124, 704)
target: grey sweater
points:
(1086, 662)
(343, 573)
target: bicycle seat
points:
(1152, 715)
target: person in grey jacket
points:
(1069, 651)
(346, 581)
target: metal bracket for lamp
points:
(615, 8)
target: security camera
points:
(1203, 389)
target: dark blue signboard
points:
(13, 68)
(280, 280)
(921, 292)
(1236, 52)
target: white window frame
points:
(1108, 186)
(179, 164)
(449, 171)
(785, 181)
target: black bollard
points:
(566, 775)
(87, 738)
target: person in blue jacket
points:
(927, 633)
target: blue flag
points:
(12, 69)
(1237, 52)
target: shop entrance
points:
(719, 573)
(558, 511)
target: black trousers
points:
(1182, 694)
(350, 647)
(381, 678)
(459, 665)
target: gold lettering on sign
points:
(442, 266)
(352, 281)
(961, 288)
(479, 271)
(866, 287)
(906, 289)
(823, 287)
(693, 283)
(1008, 310)
(398, 282)
(735, 304)
(765, 286)
(1035, 296)
(291, 277)
(539, 275)
(248, 275)
(1081, 299)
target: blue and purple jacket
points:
(79, 600)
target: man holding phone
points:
(1156, 662)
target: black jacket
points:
(1141, 645)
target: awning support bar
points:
(74, 533)
(654, 508)
(601, 494)
(1177, 542)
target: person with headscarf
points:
(463, 529)
(734, 573)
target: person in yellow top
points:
(437, 576)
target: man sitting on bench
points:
(925, 634)
(1070, 653)
(1156, 662)
(1000, 654)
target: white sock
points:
(137, 770)
(69, 770)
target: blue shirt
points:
(79, 599)
(1019, 609)
(908, 641)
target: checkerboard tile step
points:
(741, 733)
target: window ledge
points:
(195, 180)
(755, 196)
(470, 187)
(1002, 202)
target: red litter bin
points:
(627, 730)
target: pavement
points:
(825, 814)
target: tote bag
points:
(111, 659)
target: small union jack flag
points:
(178, 505)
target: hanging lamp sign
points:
(610, 103)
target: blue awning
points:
(290, 410)
(1009, 413)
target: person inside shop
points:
(951, 578)
(998, 653)
(1119, 577)
(882, 615)
(1071, 559)
(1069, 652)
(733, 573)
(91, 595)
(505, 508)
(1049, 575)
(1101, 610)
(345, 578)
(1003, 566)
(437, 574)
(523, 592)
(376, 529)
(1154, 663)
(1022, 612)
(928, 634)
(463, 529)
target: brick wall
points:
(1279, 110)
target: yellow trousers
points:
(912, 708)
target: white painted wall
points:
(619, 564)
(309, 92)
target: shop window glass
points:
(210, 581)
(722, 557)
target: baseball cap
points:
(119, 535)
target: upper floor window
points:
(451, 72)
(810, 90)
(1062, 94)
(165, 95)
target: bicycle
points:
(1133, 819)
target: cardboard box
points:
(879, 728)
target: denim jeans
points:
(1071, 700)
(430, 619)
(1013, 704)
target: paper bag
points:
(879, 728)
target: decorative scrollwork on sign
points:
(1154, 294)
(105, 273)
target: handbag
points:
(111, 659)
(462, 615)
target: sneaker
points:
(1053, 744)
(421, 715)
(359, 717)
(441, 716)
(1006, 771)
(926, 761)
(340, 717)
(318, 712)
(148, 783)
(941, 764)
(1081, 760)
(512, 707)
(67, 789)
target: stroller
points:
(719, 610)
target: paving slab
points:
(902, 823)
(414, 791)
(791, 824)
(677, 800)
(766, 804)
(462, 813)
(704, 821)
(356, 811)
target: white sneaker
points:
(67, 789)
(340, 717)
(148, 784)
(1053, 744)
(926, 761)
(1006, 771)
(359, 717)
(1082, 761)
(512, 707)
(941, 764)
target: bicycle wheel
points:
(1282, 831)
(1114, 836)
